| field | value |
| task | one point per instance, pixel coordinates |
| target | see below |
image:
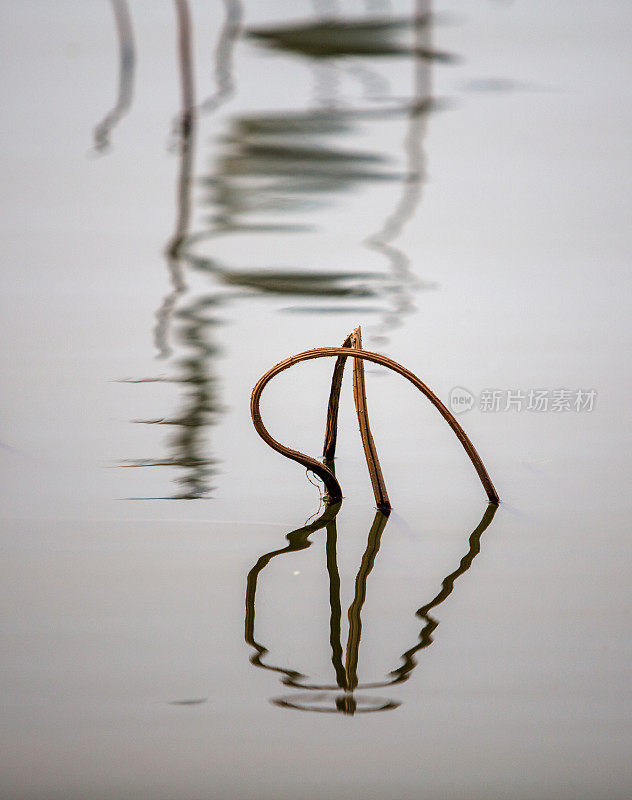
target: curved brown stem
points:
(328, 478)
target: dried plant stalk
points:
(370, 450)
(354, 340)
(331, 429)
(326, 475)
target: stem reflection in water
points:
(341, 696)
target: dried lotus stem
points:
(332, 486)
(354, 340)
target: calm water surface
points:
(197, 190)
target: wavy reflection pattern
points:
(271, 173)
(341, 696)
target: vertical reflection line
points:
(355, 622)
(223, 56)
(417, 129)
(412, 145)
(334, 603)
(186, 131)
(187, 123)
(127, 63)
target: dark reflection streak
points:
(298, 540)
(283, 174)
(326, 42)
(425, 636)
(335, 636)
(340, 37)
(186, 125)
(187, 121)
(223, 57)
(200, 401)
(355, 609)
(127, 63)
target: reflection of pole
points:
(127, 60)
(186, 142)
(198, 383)
(200, 400)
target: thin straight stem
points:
(331, 428)
(370, 450)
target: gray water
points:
(195, 191)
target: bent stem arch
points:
(332, 486)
